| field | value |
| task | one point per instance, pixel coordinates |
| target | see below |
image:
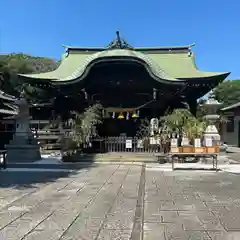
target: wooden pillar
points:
(192, 102)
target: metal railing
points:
(126, 144)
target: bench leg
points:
(216, 163)
(214, 158)
(4, 161)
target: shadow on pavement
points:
(30, 174)
(197, 169)
(235, 157)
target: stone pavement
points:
(232, 149)
(119, 201)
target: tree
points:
(143, 130)
(13, 64)
(228, 92)
(84, 124)
(176, 120)
(194, 128)
(181, 122)
(23, 63)
(81, 128)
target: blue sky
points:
(40, 27)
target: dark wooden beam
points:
(192, 102)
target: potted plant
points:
(195, 129)
(174, 123)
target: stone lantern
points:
(24, 146)
(211, 133)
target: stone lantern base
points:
(212, 133)
(23, 148)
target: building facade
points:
(230, 131)
(7, 109)
(127, 81)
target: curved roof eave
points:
(82, 73)
(6, 96)
(215, 76)
(129, 55)
(119, 54)
(8, 112)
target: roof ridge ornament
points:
(119, 43)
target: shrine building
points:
(131, 83)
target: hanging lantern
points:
(121, 116)
(154, 93)
(138, 113)
(134, 115)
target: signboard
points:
(140, 143)
(153, 141)
(153, 126)
(174, 142)
(208, 142)
(154, 123)
(129, 143)
(197, 142)
(185, 142)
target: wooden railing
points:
(51, 139)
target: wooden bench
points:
(183, 156)
(160, 157)
(3, 154)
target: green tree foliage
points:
(143, 128)
(82, 127)
(13, 64)
(23, 63)
(179, 121)
(176, 121)
(228, 92)
(84, 124)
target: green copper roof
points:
(167, 65)
(180, 65)
(122, 54)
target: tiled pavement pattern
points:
(122, 202)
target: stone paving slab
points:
(120, 201)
